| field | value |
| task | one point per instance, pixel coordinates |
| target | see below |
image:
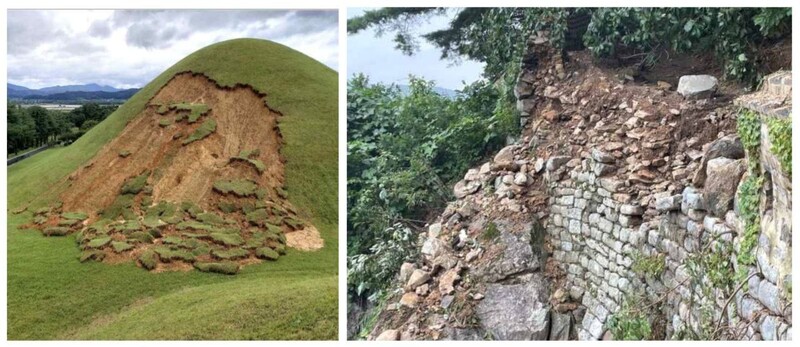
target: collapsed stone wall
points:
(550, 238)
(600, 231)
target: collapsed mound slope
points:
(196, 178)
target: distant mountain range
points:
(91, 91)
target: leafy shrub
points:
(205, 129)
(405, 150)
(227, 268)
(652, 266)
(630, 323)
(748, 196)
(369, 272)
(780, 136)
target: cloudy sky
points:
(127, 49)
(377, 58)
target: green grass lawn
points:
(53, 296)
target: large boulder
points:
(504, 159)
(464, 188)
(725, 147)
(516, 311)
(723, 179)
(514, 254)
(697, 86)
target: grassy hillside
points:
(52, 296)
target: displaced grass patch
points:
(230, 254)
(164, 122)
(56, 231)
(227, 239)
(121, 246)
(249, 157)
(124, 153)
(75, 215)
(241, 188)
(148, 259)
(195, 110)
(227, 267)
(122, 206)
(136, 184)
(205, 129)
(99, 242)
(267, 253)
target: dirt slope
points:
(197, 178)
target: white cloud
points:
(127, 49)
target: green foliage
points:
(491, 232)
(652, 266)
(748, 126)
(227, 268)
(240, 188)
(136, 184)
(405, 151)
(748, 195)
(205, 129)
(780, 137)
(630, 323)
(368, 273)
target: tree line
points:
(30, 127)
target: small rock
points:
(631, 210)
(417, 278)
(472, 255)
(406, 270)
(409, 299)
(422, 290)
(448, 279)
(538, 165)
(520, 179)
(556, 162)
(389, 335)
(446, 301)
(478, 296)
(668, 203)
(602, 157)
